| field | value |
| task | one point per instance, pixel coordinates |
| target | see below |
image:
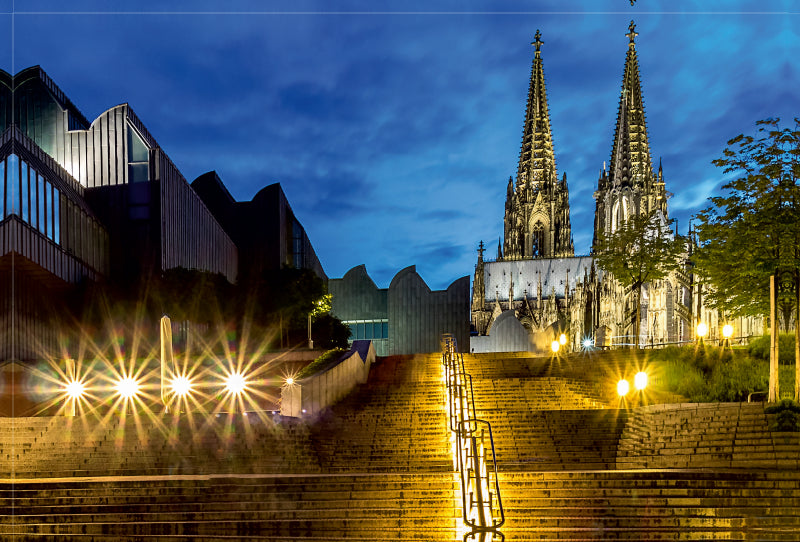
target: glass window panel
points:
(353, 331)
(368, 331)
(360, 334)
(137, 173)
(41, 186)
(34, 194)
(13, 184)
(48, 205)
(376, 330)
(24, 191)
(56, 216)
(137, 150)
(385, 330)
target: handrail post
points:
(477, 478)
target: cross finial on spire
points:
(632, 32)
(480, 250)
(537, 42)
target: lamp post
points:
(702, 330)
(727, 333)
(310, 342)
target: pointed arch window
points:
(537, 240)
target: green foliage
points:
(280, 300)
(759, 348)
(320, 363)
(786, 415)
(329, 332)
(710, 374)
(753, 231)
(642, 250)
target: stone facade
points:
(536, 273)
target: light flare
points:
(127, 387)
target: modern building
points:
(91, 201)
(265, 229)
(405, 318)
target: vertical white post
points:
(166, 358)
(773, 343)
(71, 377)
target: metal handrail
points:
(482, 506)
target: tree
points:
(641, 250)
(753, 232)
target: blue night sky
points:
(393, 126)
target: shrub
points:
(320, 362)
(786, 412)
(735, 379)
(709, 373)
(759, 348)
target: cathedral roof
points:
(526, 274)
(630, 154)
(536, 157)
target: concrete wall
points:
(356, 297)
(310, 395)
(418, 317)
(507, 334)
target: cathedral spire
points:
(629, 186)
(630, 155)
(536, 158)
(536, 223)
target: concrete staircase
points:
(719, 435)
(376, 467)
(573, 469)
(651, 505)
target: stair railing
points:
(474, 460)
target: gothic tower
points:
(537, 223)
(629, 185)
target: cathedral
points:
(538, 278)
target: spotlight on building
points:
(562, 339)
(235, 383)
(702, 330)
(181, 385)
(289, 381)
(127, 387)
(623, 388)
(554, 346)
(75, 389)
(640, 380)
(588, 343)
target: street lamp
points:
(727, 333)
(554, 346)
(702, 330)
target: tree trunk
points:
(797, 336)
(773, 342)
(637, 321)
